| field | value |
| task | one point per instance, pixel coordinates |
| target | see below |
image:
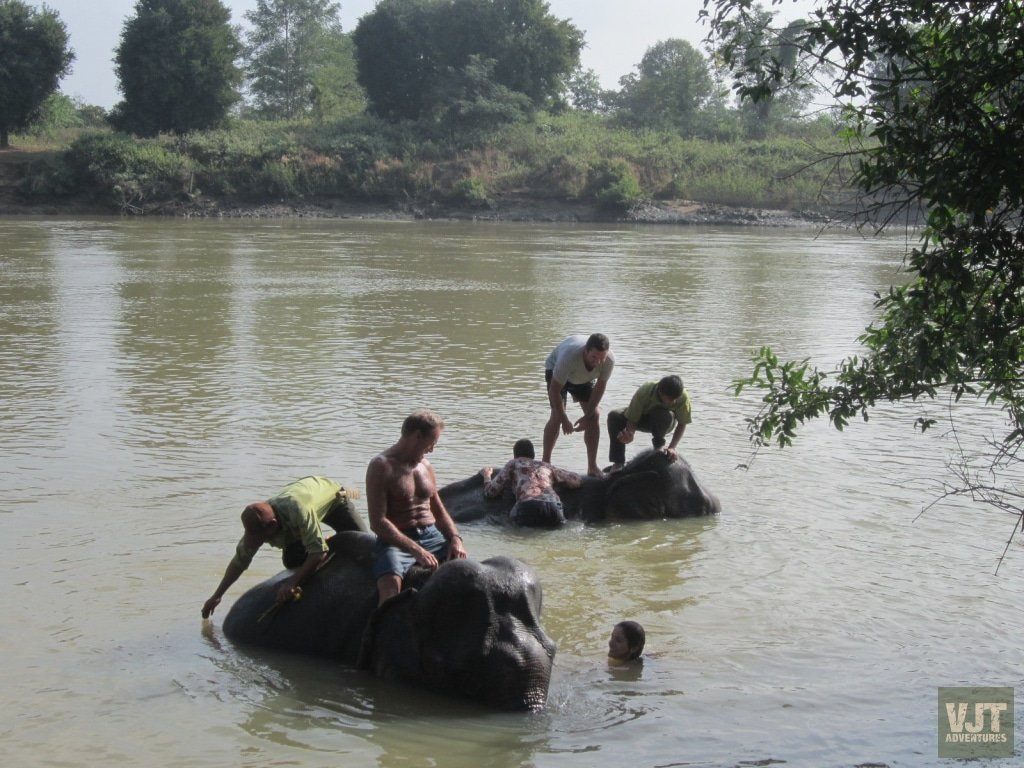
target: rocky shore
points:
(677, 212)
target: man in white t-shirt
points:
(580, 366)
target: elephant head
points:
(472, 629)
(648, 487)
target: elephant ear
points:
(388, 640)
(638, 496)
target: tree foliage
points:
(176, 67)
(670, 87)
(938, 128)
(770, 67)
(408, 51)
(584, 91)
(298, 59)
(34, 56)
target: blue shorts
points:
(391, 559)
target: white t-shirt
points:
(567, 366)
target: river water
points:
(155, 376)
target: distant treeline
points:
(459, 101)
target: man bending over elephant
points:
(656, 407)
(290, 520)
(580, 366)
(537, 504)
(406, 513)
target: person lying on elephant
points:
(579, 366)
(406, 512)
(533, 482)
(656, 407)
(290, 520)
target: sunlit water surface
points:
(155, 376)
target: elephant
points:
(652, 485)
(469, 628)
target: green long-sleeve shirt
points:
(646, 400)
(300, 507)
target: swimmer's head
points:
(627, 641)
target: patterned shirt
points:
(531, 479)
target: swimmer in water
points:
(626, 643)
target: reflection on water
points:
(155, 376)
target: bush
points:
(614, 185)
(126, 171)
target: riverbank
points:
(564, 169)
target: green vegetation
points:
(299, 62)
(413, 53)
(571, 157)
(933, 91)
(176, 66)
(670, 88)
(34, 55)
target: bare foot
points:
(595, 472)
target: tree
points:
(940, 131)
(176, 66)
(336, 91)
(670, 87)
(770, 57)
(475, 102)
(585, 92)
(291, 42)
(34, 56)
(408, 50)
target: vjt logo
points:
(956, 713)
(976, 722)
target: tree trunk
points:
(4, 143)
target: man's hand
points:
(287, 592)
(486, 472)
(209, 605)
(456, 549)
(625, 435)
(567, 426)
(670, 452)
(425, 559)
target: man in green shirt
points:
(290, 521)
(656, 407)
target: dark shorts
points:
(538, 513)
(390, 559)
(580, 392)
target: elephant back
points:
(329, 619)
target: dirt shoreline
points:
(520, 209)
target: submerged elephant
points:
(470, 628)
(649, 487)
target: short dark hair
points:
(635, 637)
(672, 386)
(257, 517)
(423, 421)
(598, 341)
(523, 448)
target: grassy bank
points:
(571, 157)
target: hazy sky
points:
(617, 33)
